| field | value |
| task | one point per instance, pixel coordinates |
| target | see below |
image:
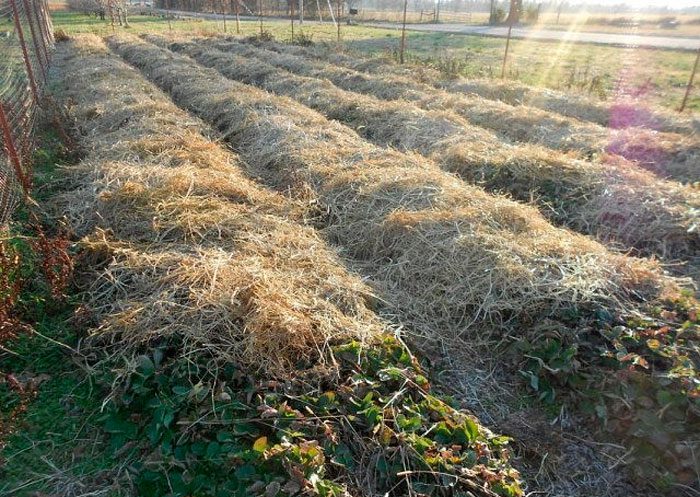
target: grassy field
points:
(660, 76)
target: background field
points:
(659, 76)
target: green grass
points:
(57, 432)
(594, 69)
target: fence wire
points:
(26, 43)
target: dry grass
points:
(449, 257)
(661, 142)
(617, 202)
(195, 253)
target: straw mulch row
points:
(667, 154)
(199, 251)
(452, 257)
(450, 260)
(516, 124)
(212, 302)
(616, 115)
(617, 203)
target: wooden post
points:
(291, 16)
(260, 16)
(111, 13)
(505, 55)
(238, 17)
(223, 12)
(561, 6)
(337, 20)
(167, 14)
(690, 83)
(403, 33)
(301, 11)
(437, 12)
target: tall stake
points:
(505, 55)
(403, 32)
(291, 16)
(223, 12)
(167, 13)
(260, 16)
(25, 54)
(337, 20)
(238, 17)
(690, 83)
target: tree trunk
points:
(516, 8)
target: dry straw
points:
(514, 93)
(663, 143)
(451, 260)
(194, 253)
(618, 202)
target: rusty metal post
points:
(12, 148)
(43, 34)
(35, 39)
(25, 54)
(690, 83)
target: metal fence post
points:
(35, 38)
(11, 148)
(25, 54)
(42, 32)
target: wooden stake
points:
(260, 16)
(223, 12)
(238, 17)
(690, 83)
(167, 14)
(505, 55)
(337, 20)
(403, 33)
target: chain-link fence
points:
(26, 42)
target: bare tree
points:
(516, 9)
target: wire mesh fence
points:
(26, 42)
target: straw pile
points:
(613, 115)
(670, 155)
(517, 124)
(195, 254)
(449, 257)
(618, 203)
